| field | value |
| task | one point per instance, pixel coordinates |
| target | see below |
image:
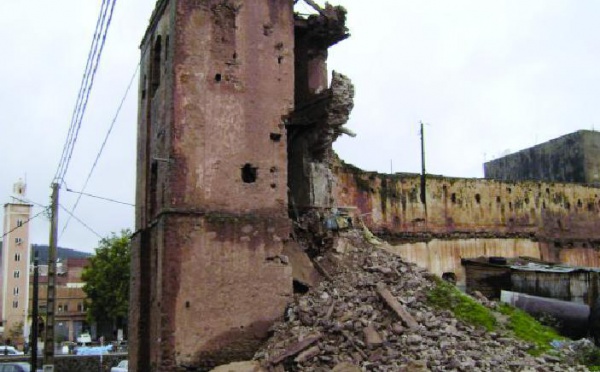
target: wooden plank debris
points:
(391, 301)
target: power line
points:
(27, 201)
(84, 82)
(99, 197)
(24, 223)
(80, 221)
(76, 125)
(112, 124)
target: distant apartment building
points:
(70, 315)
(572, 158)
(14, 266)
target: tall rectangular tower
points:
(15, 265)
(216, 86)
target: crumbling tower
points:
(217, 82)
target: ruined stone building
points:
(221, 152)
(236, 121)
(574, 157)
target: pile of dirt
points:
(372, 315)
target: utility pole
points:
(423, 184)
(49, 340)
(33, 343)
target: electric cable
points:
(24, 223)
(112, 124)
(76, 125)
(80, 221)
(84, 82)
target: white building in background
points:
(14, 266)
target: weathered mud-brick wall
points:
(217, 81)
(562, 218)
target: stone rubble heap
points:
(354, 322)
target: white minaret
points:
(15, 266)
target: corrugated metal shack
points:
(490, 275)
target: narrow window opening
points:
(510, 205)
(156, 52)
(509, 190)
(498, 200)
(167, 48)
(275, 137)
(478, 198)
(453, 197)
(144, 82)
(218, 78)
(579, 204)
(249, 173)
(273, 185)
(19, 223)
(234, 55)
(279, 59)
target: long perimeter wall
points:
(474, 217)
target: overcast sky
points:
(486, 76)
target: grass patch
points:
(447, 296)
(527, 328)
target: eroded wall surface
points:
(209, 280)
(474, 217)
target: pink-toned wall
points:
(212, 182)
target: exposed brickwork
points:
(212, 182)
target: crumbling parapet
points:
(321, 110)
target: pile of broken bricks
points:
(372, 315)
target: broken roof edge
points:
(158, 12)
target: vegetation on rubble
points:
(527, 328)
(465, 308)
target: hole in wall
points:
(187, 304)
(543, 205)
(568, 205)
(249, 173)
(234, 55)
(279, 59)
(275, 137)
(450, 277)
(579, 204)
(299, 287)
(509, 190)
(478, 198)
(273, 169)
(453, 197)
(498, 200)
(510, 205)
(273, 185)
(547, 190)
(218, 78)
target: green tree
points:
(107, 279)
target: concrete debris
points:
(372, 315)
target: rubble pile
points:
(372, 315)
